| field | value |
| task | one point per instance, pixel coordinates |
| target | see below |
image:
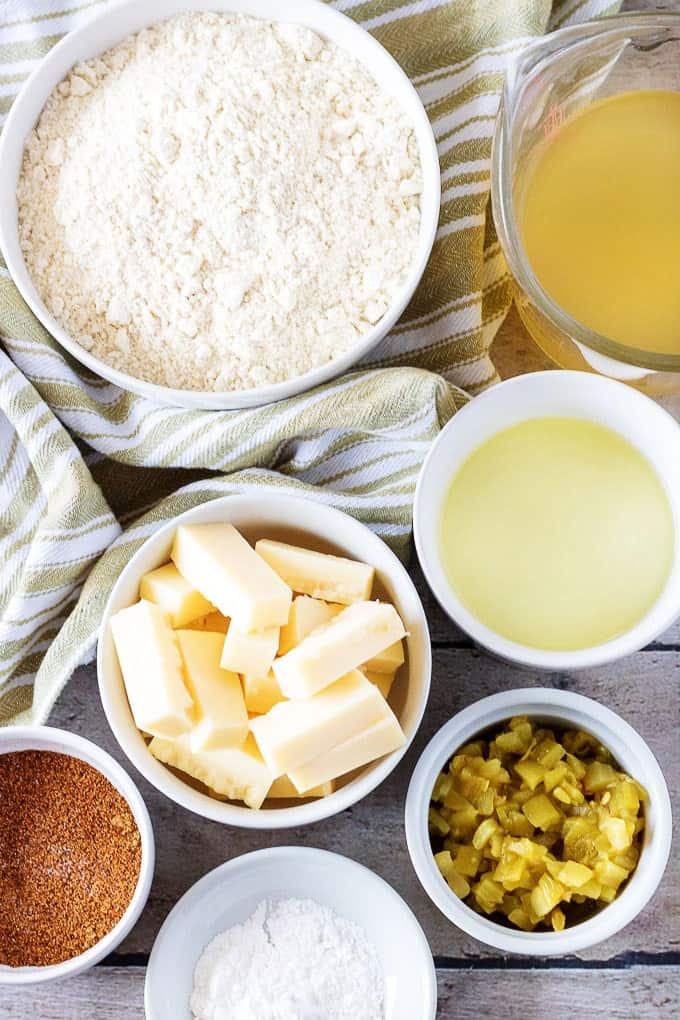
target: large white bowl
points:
(561, 708)
(48, 738)
(114, 23)
(292, 519)
(229, 895)
(638, 419)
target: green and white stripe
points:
(80, 458)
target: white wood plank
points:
(637, 993)
(643, 689)
(640, 993)
(103, 993)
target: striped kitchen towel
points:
(88, 471)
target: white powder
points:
(219, 202)
(292, 960)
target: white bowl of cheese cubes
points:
(264, 660)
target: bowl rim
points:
(619, 737)
(532, 62)
(51, 738)
(230, 813)
(302, 854)
(333, 21)
(560, 383)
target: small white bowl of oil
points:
(547, 520)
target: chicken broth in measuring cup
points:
(600, 218)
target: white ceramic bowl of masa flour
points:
(302, 522)
(116, 22)
(229, 895)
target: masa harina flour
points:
(219, 202)
(291, 960)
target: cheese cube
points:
(261, 693)
(214, 622)
(387, 661)
(283, 788)
(306, 614)
(382, 737)
(238, 773)
(332, 578)
(152, 670)
(218, 561)
(250, 652)
(220, 711)
(383, 681)
(171, 592)
(294, 732)
(356, 634)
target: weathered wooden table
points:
(634, 976)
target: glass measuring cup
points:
(552, 79)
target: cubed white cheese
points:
(382, 737)
(283, 789)
(331, 578)
(387, 661)
(151, 665)
(238, 773)
(294, 732)
(211, 621)
(383, 681)
(261, 693)
(356, 634)
(221, 719)
(167, 589)
(306, 614)
(250, 652)
(218, 561)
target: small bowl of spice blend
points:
(76, 854)
(539, 822)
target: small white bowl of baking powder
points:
(375, 944)
(145, 286)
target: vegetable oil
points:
(557, 533)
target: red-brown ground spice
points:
(70, 855)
